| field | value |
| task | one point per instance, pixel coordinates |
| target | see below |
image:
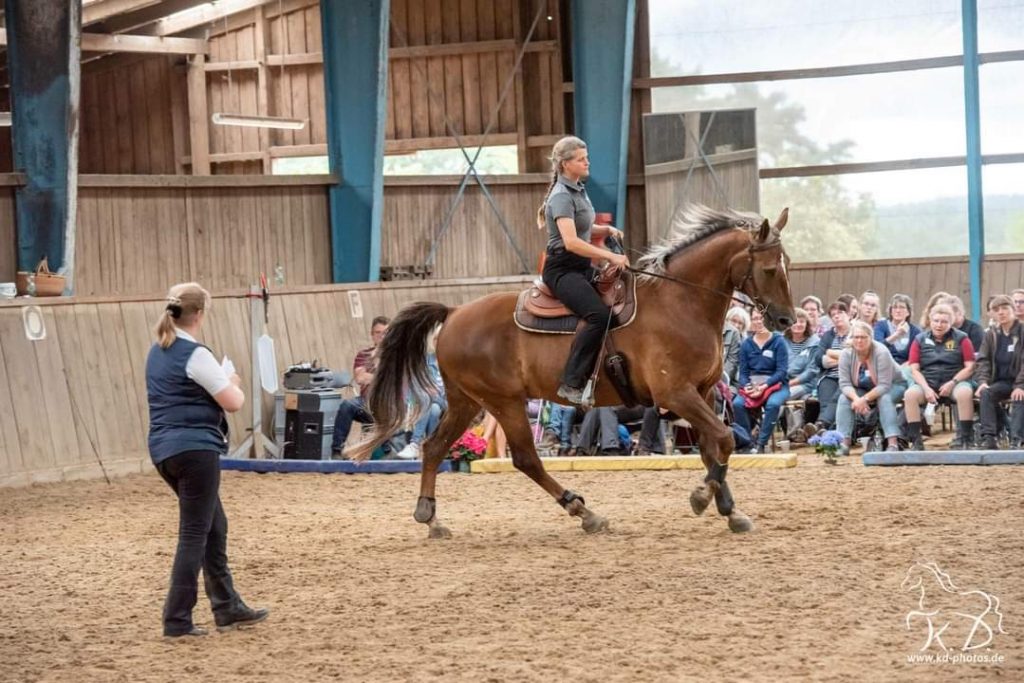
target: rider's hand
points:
(618, 261)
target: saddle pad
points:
(567, 324)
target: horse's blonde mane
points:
(691, 225)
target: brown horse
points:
(673, 346)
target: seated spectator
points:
(1017, 296)
(869, 309)
(813, 307)
(432, 406)
(731, 340)
(599, 433)
(803, 357)
(897, 331)
(558, 433)
(999, 373)
(764, 367)
(494, 435)
(354, 409)
(739, 319)
(829, 349)
(941, 362)
(962, 323)
(851, 303)
(866, 377)
(932, 300)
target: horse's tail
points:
(401, 367)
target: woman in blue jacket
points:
(764, 381)
(188, 394)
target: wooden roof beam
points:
(101, 42)
(201, 15)
(95, 12)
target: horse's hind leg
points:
(716, 445)
(512, 417)
(459, 414)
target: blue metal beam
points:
(44, 61)
(355, 45)
(975, 196)
(602, 74)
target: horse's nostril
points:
(785, 322)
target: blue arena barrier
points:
(944, 458)
(328, 466)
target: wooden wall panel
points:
(474, 245)
(126, 124)
(8, 236)
(79, 395)
(139, 240)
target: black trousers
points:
(571, 285)
(996, 392)
(202, 539)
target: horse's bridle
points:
(749, 276)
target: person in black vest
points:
(999, 373)
(188, 393)
(569, 216)
(941, 364)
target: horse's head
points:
(765, 274)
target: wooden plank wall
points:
(449, 60)
(142, 239)
(127, 123)
(475, 245)
(80, 394)
(917, 277)
(8, 235)
(671, 185)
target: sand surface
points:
(520, 593)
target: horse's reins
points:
(748, 276)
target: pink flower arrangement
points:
(469, 447)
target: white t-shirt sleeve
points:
(204, 370)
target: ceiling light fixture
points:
(222, 119)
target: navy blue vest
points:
(182, 415)
(941, 360)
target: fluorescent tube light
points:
(5, 119)
(222, 119)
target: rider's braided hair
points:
(563, 151)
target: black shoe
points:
(989, 444)
(961, 444)
(194, 631)
(242, 615)
(336, 454)
(571, 394)
(918, 444)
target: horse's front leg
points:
(512, 417)
(716, 445)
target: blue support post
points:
(602, 74)
(44, 60)
(355, 48)
(975, 196)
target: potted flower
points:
(827, 444)
(466, 449)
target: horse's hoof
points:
(425, 508)
(740, 523)
(594, 523)
(439, 531)
(700, 498)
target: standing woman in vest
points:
(568, 216)
(189, 393)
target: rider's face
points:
(578, 166)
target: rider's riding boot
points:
(570, 394)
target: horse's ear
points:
(764, 232)
(783, 218)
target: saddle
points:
(537, 309)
